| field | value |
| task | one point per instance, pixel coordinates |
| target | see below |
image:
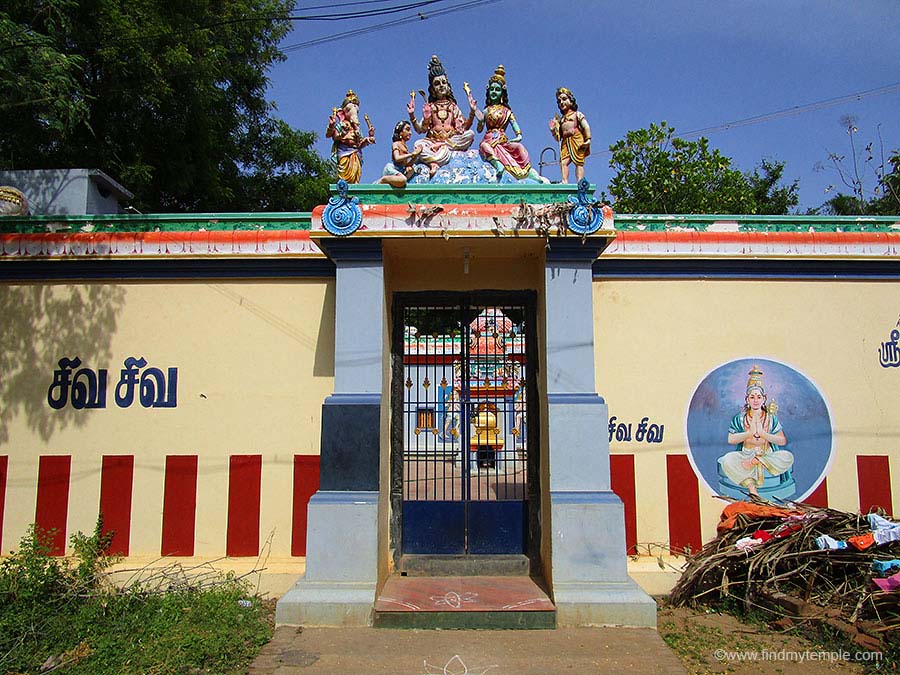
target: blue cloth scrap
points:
(885, 566)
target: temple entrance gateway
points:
(463, 436)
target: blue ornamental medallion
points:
(342, 216)
(586, 216)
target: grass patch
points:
(64, 614)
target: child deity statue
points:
(400, 169)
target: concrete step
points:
(463, 565)
(458, 602)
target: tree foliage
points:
(657, 172)
(864, 166)
(168, 97)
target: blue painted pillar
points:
(589, 577)
(338, 587)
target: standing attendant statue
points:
(442, 122)
(572, 131)
(348, 142)
(504, 153)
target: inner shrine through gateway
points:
(465, 476)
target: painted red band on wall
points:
(306, 482)
(4, 464)
(244, 479)
(621, 469)
(873, 475)
(819, 496)
(116, 481)
(53, 499)
(684, 505)
(179, 505)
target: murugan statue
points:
(504, 153)
(343, 128)
(444, 126)
(571, 129)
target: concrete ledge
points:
(603, 604)
(646, 571)
(326, 604)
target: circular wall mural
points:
(757, 426)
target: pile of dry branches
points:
(793, 565)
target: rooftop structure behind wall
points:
(68, 191)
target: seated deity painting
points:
(759, 428)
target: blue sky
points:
(694, 64)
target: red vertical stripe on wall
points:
(116, 480)
(873, 474)
(684, 505)
(244, 475)
(53, 499)
(306, 482)
(179, 505)
(4, 464)
(621, 469)
(819, 496)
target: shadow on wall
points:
(44, 189)
(293, 325)
(324, 359)
(41, 325)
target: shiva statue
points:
(442, 122)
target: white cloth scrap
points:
(830, 542)
(884, 530)
(747, 543)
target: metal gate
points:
(463, 479)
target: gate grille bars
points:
(461, 385)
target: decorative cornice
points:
(204, 243)
(634, 237)
(154, 222)
(740, 243)
(754, 223)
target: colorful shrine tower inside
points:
(465, 438)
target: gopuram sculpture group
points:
(446, 154)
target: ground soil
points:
(716, 642)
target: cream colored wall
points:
(255, 361)
(655, 340)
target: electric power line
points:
(340, 16)
(471, 4)
(796, 110)
(787, 112)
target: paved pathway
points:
(372, 651)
